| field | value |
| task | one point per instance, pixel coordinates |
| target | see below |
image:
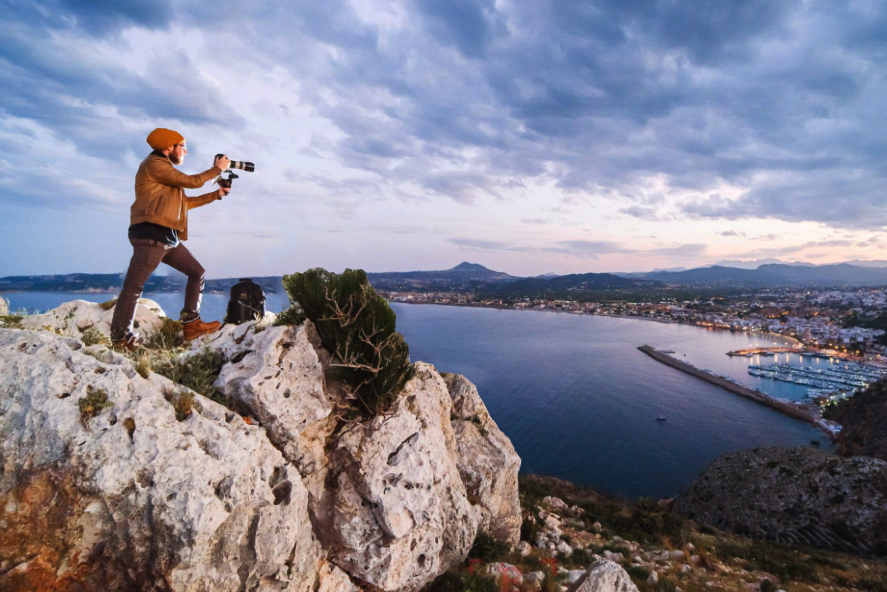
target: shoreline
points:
(788, 409)
(774, 336)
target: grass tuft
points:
(167, 337)
(143, 363)
(198, 371)
(92, 404)
(93, 336)
(108, 305)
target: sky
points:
(543, 136)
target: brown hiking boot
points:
(196, 328)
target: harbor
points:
(836, 381)
(808, 413)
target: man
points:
(159, 225)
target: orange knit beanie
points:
(163, 138)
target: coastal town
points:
(832, 321)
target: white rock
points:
(564, 548)
(523, 548)
(73, 318)
(555, 502)
(677, 554)
(604, 576)
(204, 503)
(573, 575)
(553, 523)
(487, 462)
(276, 374)
(685, 568)
(532, 581)
(332, 579)
(399, 513)
(653, 578)
(505, 574)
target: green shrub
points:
(445, 582)
(528, 529)
(487, 548)
(638, 573)
(477, 582)
(292, 316)
(358, 327)
(582, 557)
(767, 586)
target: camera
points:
(235, 164)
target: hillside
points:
(794, 495)
(864, 420)
(775, 275)
(563, 286)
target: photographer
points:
(158, 225)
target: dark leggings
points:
(147, 255)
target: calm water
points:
(574, 394)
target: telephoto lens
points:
(243, 166)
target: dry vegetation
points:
(646, 537)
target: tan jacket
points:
(160, 194)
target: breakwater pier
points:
(804, 413)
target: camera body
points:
(235, 164)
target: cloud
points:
(731, 233)
(591, 249)
(733, 110)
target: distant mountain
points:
(81, 282)
(465, 276)
(739, 264)
(867, 263)
(572, 283)
(112, 282)
(775, 275)
(473, 277)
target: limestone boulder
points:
(397, 513)
(275, 373)
(120, 495)
(487, 461)
(73, 318)
(604, 576)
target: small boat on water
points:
(660, 418)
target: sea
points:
(574, 394)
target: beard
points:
(176, 160)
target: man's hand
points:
(223, 191)
(222, 162)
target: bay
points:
(574, 394)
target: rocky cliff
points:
(863, 418)
(795, 495)
(114, 479)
